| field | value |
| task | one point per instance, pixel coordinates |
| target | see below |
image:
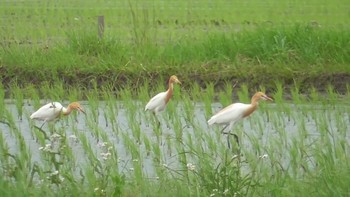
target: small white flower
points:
(105, 156)
(96, 189)
(214, 192)
(132, 169)
(191, 167)
(264, 156)
(102, 144)
(47, 148)
(54, 137)
(135, 160)
(55, 173)
(234, 157)
(73, 137)
(63, 147)
(165, 165)
(61, 178)
(225, 192)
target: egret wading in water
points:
(235, 112)
(158, 102)
(53, 111)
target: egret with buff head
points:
(53, 111)
(158, 102)
(235, 112)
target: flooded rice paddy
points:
(133, 136)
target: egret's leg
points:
(42, 125)
(222, 130)
(228, 141)
(168, 122)
(42, 131)
(229, 133)
(156, 118)
(157, 130)
(236, 139)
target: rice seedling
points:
(290, 147)
(291, 143)
(207, 99)
(18, 94)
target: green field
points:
(287, 148)
(47, 21)
(222, 51)
(245, 41)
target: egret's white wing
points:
(48, 112)
(231, 113)
(158, 101)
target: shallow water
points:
(265, 126)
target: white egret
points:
(53, 111)
(235, 112)
(158, 102)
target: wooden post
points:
(101, 26)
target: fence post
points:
(101, 26)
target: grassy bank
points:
(305, 55)
(260, 44)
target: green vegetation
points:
(222, 51)
(118, 149)
(251, 41)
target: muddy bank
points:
(118, 80)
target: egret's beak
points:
(267, 98)
(82, 110)
(177, 81)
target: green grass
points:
(295, 51)
(47, 42)
(129, 19)
(298, 54)
(305, 142)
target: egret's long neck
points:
(66, 111)
(169, 93)
(254, 101)
(253, 106)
